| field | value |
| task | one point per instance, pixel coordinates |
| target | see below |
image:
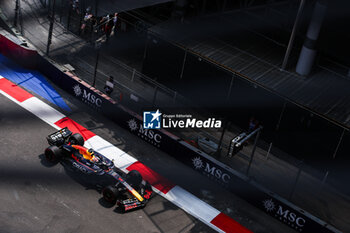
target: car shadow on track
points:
(44, 162)
(104, 203)
(89, 182)
(83, 179)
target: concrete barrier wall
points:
(24, 56)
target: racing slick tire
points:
(134, 178)
(147, 191)
(76, 139)
(110, 194)
(53, 154)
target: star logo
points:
(269, 205)
(197, 163)
(132, 124)
(151, 120)
(156, 115)
(77, 90)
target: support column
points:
(204, 6)
(69, 15)
(301, 163)
(292, 36)
(253, 151)
(339, 142)
(16, 13)
(183, 65)
(179, 9)
(223, 7)
(61, 10)
(230, 89)
(308, 52)
(98, 45)
(96, 66)
(52, 20)
(18, 17)
(226, 125)
(155, 96)
(96, 7)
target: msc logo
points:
(151, 120)
(285, 215)
(210, 171)
(87, 97)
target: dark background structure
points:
(229, 61)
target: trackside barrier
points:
(25, 56)
(239, 184)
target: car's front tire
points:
(110, 194)
(76, 139)
(53, 154)
(134, 178)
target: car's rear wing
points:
(59, 138)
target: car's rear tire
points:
(134, 178)
(53, 154)
(76, 139)
(147, 191)
(110, 194)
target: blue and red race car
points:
(129, 191)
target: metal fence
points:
(131, 87)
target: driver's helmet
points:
(95, 159)
(89, 154)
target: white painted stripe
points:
(1, 77)
(192, 205)
(121, 159)
(43, 111)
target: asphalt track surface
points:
(36, 197)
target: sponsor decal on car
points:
(79, 167)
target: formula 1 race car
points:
(129, 191)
